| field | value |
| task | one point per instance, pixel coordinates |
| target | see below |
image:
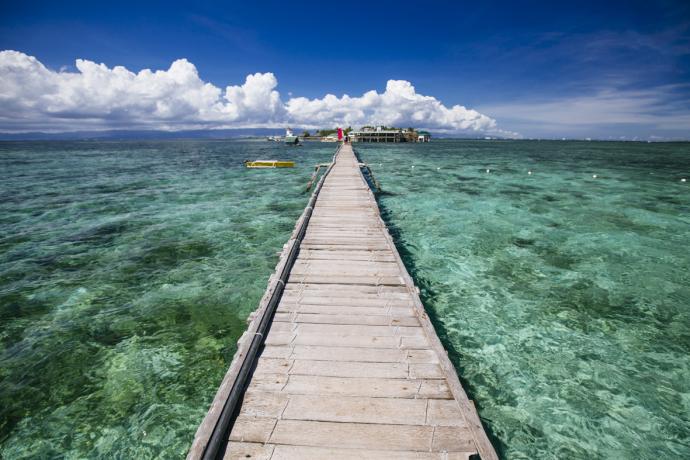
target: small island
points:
(370, 134)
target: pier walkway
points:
(351, 366)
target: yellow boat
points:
(269, 164)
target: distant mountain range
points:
(142, 134)
(162, 135)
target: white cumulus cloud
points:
(399, 105)
(36, 98)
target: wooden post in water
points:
(340, 359)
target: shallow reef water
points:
(564, 299)
(127, 271)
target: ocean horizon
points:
(261, 133)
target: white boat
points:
(290, 138)
(330, 138)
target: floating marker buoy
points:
(438, 168)
(529, 172)
(488, 171)
(413, 166)
(683, 180)
(594, 176)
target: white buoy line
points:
(530, 172)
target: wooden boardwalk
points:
(351, 366)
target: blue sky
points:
(540, 69)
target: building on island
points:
(383, 134)
(378, 134)
(423, 136)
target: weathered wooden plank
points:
(281, 326)
(344, 309)
(285, 452)
(451, 438)
(351, 222)
(370, 320)
(350, 200)
(351, 341)
(329, 246)
(354, 435)
(426, 371)
(339, 221)
(371, 280)
(343, 270)
(351, 290)
(329, 222)
(359, 354)
(252, 429)
(350, 409)
(245, 450)
(346, 242)
(345, 195)
(269, 381)
(435, 389)
(272, 351)
(333, 223)
(414, 342)
(362, 226)
(368, 386)
(319, 298)
(340, 213)
(357, 329)
(376, 256)
(263, 404)
(378, 355)
(421, 356)
(347, 264)
(445, 412)
(355, 235)
(350, 369)
(343, 219)
(329, 353)
(267, 365)
(354, 386)
(280, 338)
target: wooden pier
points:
(340, 360)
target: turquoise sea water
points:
(127, 270)
(126, 273)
